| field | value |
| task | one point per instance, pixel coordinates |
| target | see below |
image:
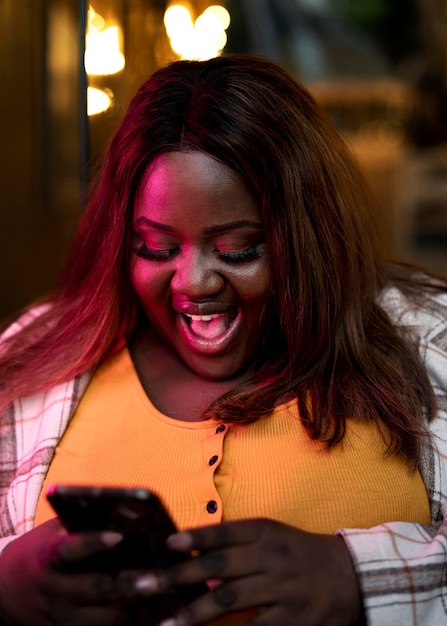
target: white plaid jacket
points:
(401, 567)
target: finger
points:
(108, 615)
(89, 588)
(74, 548)
(272, 616)
(228, 597)
(224, 564)
(221, 535)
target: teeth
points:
(202, 318)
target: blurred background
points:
(68, 69)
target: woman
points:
(227, 334)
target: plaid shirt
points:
(401, 567)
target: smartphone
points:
(139, 515)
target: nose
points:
(196, 275)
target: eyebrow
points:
(209, 230)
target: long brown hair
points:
(326, 340)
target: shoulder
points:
(23, 320)
(423, 320)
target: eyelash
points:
(153, 255)
(229, 257)
(240, 257)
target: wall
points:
(41, 131)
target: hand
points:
(36, 586)
(292, 577)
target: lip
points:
(216, 345)
(202, 308)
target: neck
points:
(175, 389)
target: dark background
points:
(378, 67)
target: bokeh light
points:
(98, 100)
(103, 54)
(202, 38)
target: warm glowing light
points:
(218, 12)
(201, 39)
(176, 18)
(98, 100)
(95, 20)
(102, 46)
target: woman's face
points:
(199, 263)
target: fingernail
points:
(180, 541)
(146, 583)
(110, 538)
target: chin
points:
(215, 371)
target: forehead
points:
(193, 185)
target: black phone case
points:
(145, 524)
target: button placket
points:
(212, 448)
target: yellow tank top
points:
(207, 472)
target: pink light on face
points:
(199, 263)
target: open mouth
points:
(210, 326)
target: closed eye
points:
(239, 257)
(152, 254)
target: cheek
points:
(256, 285)
(136, 277)
(148, 284)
